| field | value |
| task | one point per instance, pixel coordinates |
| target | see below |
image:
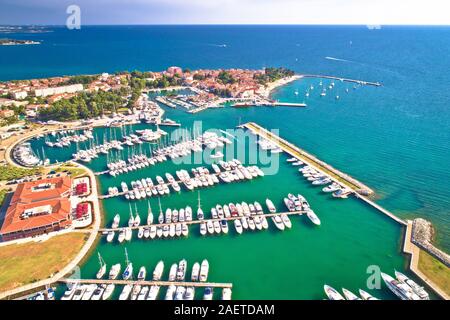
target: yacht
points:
(135, 292)
(203, 228)
(153, 293)
(204, 269)
(181, 271)
(142, 273)
(313, 217)
(71, 288)
(350, 295)
(179, 293)
(116, 221)
(420, 291)
(128, 234)
(210, 226)
(366, 296)
(173, 272)
(121, 236)
(184, 229)
(289, 204)
(189, 294)
(114, 271)
(400, 289)
(238, 226)
(143, 293)
(79, 292)
(286, 221)
(149, 214)
(332, 293)
(208, 294)
(153, 231)
(226, 294)
(195, 272)
(126, 291)
(109, 289)
(110, 236)
(217, 228)
(224, 226)
(157, 273)
(90, 288)
(270, 206)
(170, 292)
(332, 187)
(278, 222)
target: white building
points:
(43, 92)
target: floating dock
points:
(268, 104)
(148, 283)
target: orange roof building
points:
(38, 207)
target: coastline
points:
(267, 91)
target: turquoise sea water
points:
(394, 138)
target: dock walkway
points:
(369, 83)
(148, 283)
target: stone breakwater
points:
(422, 236)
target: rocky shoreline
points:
(422, 236)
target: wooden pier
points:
(148, 283)
(158, 225)
(361, 82)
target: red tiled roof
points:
(27, 196)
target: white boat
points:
(71, 288)
(195, 272)
(350, 295)
(149, 214)
(101, 272)
(114, 271)
(140, 232)
(79, 291)
(128, 234)
(203, 228)
(153, 293)
(210, 226)
(108, 291)
(173, 272)
(332, 293)
(238, 226)
(189, 293)
(135, 291)
(89, 292)
(366, 296)
(179, 293)
(400, 289)
(126, 291)
(128, 273)
(204, 270)
(420, 291)
(332, 187)
(142, 273)
(143, 293)
(110, 236)
(121, 236)
(157, 273)
(170, 292)
(116, 221)
(181, 271)
(208, 294)
(286, 221)
(153, 232)
(217, 228)
(278, 222)
(224, 226)
(226, 294)
(313, 217)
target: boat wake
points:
(337, 59)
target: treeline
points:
(85, 105)
(273, 74)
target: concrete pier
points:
(361, 82)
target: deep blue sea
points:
(395, 138)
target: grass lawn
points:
(10, 172)
(74, 172)
(25, 263)
(435, 270)
(2, 196)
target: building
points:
(19, 95)
(174, 70)
(43, 92)
(37, 208)
(6, 113)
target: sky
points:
(365, 12)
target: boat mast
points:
(131, 211)
(100, 259)
(126, 257)
(199, 200)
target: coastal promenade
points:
(79, 257)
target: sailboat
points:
(200, 215)
(131, 220)
(161, 215)
(128, 273)
(137, 218)
(101, 272)
(150, 214)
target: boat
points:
(332, 293)
(121, 236)
(71, 288)
(153, 232)
(181, 271)
(286, 221)
(313, 217)
(140, 232)
(332, 187)
(173, 272)
(400, 289)
(195, 272)
(149, 214)
(289, 204)
(110, 236)
(79, 292)
(157, 273)
(116, 221)
(109, 289)
(224, 226)
(135, 292)
(143, 293)
(420, 291)
(278, 222)
(101, 272)
(131, 219)
(142, 273)
(88, 293)
(114, 271)
(184, 229)
(270, 206)
(128, 234)
(350, 295)
(210, 226)
(189, 293)
(366, 296)
(153, 293)
(226, 294)
(128, 273)
(126, 291)
(179, 293)
(238, 226)
(204, 270)
(208, 294)
(170, 292)
(203, 228)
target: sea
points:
(395, 138)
